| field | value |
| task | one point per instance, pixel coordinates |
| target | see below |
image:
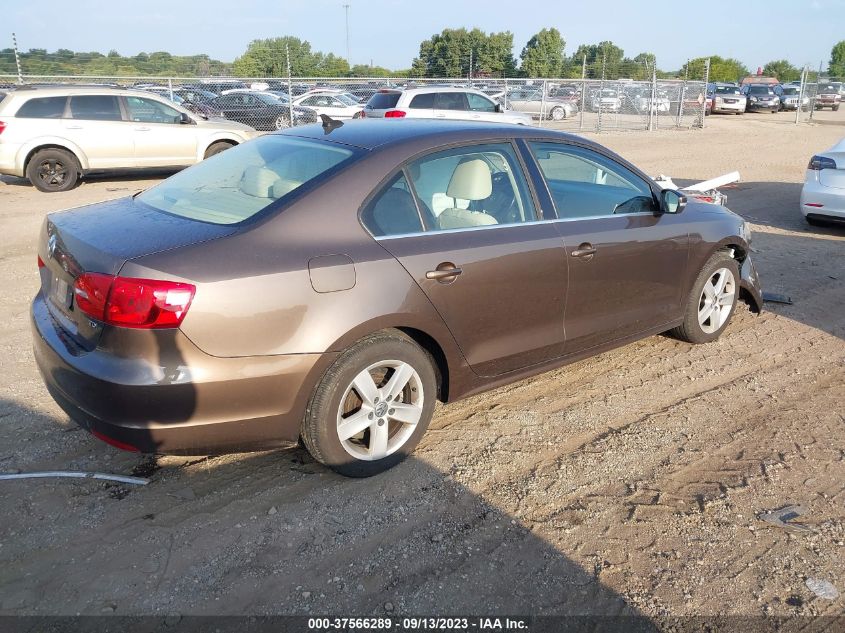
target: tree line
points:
(450, 53)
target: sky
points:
(388, 32)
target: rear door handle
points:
(584, 250)
(444, 274)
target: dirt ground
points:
(629, 483)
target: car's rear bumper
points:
(178, 399)
(8, 159)
(763, 107)
(820, 202)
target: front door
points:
(462, 222)
(627, 261)
(161, 139)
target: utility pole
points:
(470, 66)
(17, 58)
(290, 87)
(346, 9)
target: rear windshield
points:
(383, 100)
(238, 183)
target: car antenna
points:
(330, 124)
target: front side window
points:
(584, 183)
(43, 108)
(151, 111)
(472, 186)
(95, 108)
(238, 183)
(477, 103)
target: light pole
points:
(348, 61)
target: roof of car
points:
(373, 133)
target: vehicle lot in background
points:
(55, 135)
(434, 102)
(555, 107)
(333, 103)
(727, 98)
(261, 110)
(760, 98)
(828, 96)
(592, 477)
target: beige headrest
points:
(258, 181)
(471, 181)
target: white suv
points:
(53, 135)
(436, 102)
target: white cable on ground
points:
(140, 481)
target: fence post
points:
(506, 93)
(583, 92)
(816, 95)
(706, 83)
(17, 58)
(290, 86)
(170, 87)
(800, 95)
(652, 110)
(543, 104)
(601, 92)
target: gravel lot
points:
(626, 483)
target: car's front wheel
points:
(712, 301)
(281, 123)
(558, 114)
(52, 170)
(372, 406)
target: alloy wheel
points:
(52, 172)
(380, 410)
(716, 301)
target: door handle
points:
(585, 250)
(443, 273)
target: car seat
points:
(471, 181)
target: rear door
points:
(161, 139)
(451, 105)
(463, 224)
(421, 106)
(627, 262)
(96, 125)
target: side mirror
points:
(185, 119)
(499, 108)
(672, 201)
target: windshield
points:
(827, 88)
(760, 90)
(790, 91)
(351, 101)
(727, 90)
(238, 183)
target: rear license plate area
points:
(61, 293)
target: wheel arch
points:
(738, 250)
(30, 150)
(230, 139)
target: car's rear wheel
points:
(52, 170)
(216, 148)
(558, 114)
(712, 301)
(372, 406)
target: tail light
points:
(41, 263)
(2, 126)
(817, 163)
(135, 303)
(394, 114)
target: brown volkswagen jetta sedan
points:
(330, 283)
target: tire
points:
(52, 170)
(354, 391)
(835, 108)
(720, 275)
(280, 123)
(216, 148)
(815, 222)
(557, 113)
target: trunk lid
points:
(101, 238)
(834, 178)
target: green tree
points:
(543, 55)
(449, 53)
(268, 58)
(602, 57)
(720, 69)
(782, 69)
(362, 70)
(836, 67)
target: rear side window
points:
(383, 100)
(238, 183)
(95, 108)
(423, 101)
(393, 211)
(43, 108)
(450, 101)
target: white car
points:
(823, 194)
(337, 105)
(54, 135)
(440, 102)
(606, 100)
